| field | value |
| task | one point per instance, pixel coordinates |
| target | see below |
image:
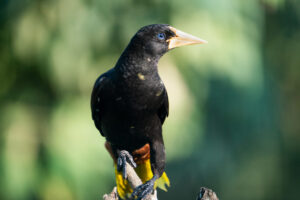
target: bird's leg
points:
(143, 190)
(157, 159)
(123, 157)
(120, 157)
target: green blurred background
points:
(234, 119)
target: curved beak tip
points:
(205, 42)
(182, 39)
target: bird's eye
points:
(161, 36)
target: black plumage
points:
(130, 102)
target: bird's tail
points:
(144, 171)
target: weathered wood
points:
(135, 181)
(206, 194)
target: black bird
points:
(130, 103)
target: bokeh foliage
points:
(234, 103)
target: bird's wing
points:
(96, 100)
(163, 111)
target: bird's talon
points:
(124, 156)
(143, 190)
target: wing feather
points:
(96, 101)
(163, 111)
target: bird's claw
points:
(143, 190)
(124, 156)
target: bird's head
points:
(157, 39)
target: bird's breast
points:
(144, 93)
(129, 113)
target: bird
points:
(129, 105)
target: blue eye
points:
(161, 36)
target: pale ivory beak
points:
(183, 39)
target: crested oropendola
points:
(130, 103)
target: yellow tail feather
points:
(145, 173)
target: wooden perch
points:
(207, 194)
(134, 181)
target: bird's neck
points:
(134, 61)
